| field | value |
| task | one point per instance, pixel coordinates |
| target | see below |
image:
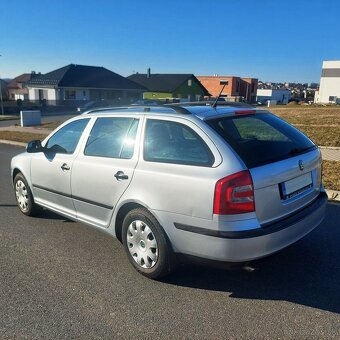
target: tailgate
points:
(283, 187)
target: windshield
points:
(261, 138)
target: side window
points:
(172, 142)
(112, 137)
(66, 139)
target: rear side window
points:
(261, 138)
(172, 142)
(112, 137)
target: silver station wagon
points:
(223, 183)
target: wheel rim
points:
(22, 195)
(142, 244)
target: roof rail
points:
(209, 103)
(146, 108)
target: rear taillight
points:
(234, 194)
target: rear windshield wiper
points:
(297, 151)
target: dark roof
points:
(163, 82)
(86, 77)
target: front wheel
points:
(24, 196)
(146, 244)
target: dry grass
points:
(331, 175)
(24, 137)
(321, 124)
(52, 125)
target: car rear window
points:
(261, 138)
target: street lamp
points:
(2, 105)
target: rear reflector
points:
(234, 194)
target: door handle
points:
(65, 167)
(120, 175)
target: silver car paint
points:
(183, 194)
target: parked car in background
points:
(96, 105)
(228, 184)
(147, 102)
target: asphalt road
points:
(60, 279)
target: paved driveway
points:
(60, 279)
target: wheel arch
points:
(15, 172)
(123, 210)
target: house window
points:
(332, 98)
(237, 86)
(84, 93)
(70, 94)
(189, 82)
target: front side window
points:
(172, 142)
(66, 139)
(112, 137)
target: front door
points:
(51, 169)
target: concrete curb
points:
(11, 142)
(333, 195)
(329, 147)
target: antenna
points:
(224, 83)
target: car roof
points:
(200, 110)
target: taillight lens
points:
(234, 194)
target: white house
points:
(278, 96)
(329, 91)
(82, 83)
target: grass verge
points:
(331, 175)
(23, 137)
(320, 124)
(3, 118)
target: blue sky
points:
(268, 39)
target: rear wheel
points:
(24, 196)
(146, 244)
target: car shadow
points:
(307, 273)
(50, 215)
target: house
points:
(276, 96)
(17, 87)
(329, 91)
(74, 83)
(238, 89)
(183, 87)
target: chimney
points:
(148, 74)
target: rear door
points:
(104, 168)
(284, 164)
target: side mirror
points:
(34, 146)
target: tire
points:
(146, 244)
(24, 197)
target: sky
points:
(271, 40)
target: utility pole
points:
(2, 104)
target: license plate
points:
(296, 185)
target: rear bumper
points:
(240, 246)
